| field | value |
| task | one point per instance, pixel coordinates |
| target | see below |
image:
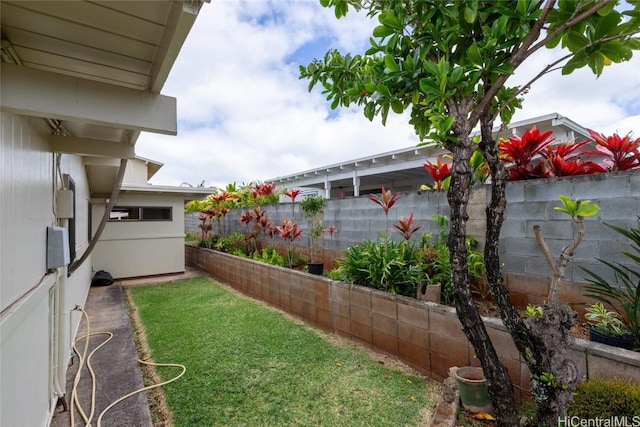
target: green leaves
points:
(434, 54)
(577, 208)
(602, 39)
(390, 63)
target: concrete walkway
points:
(115, 364)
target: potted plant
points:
(623, 292)
(313, 209)
(607, 327)
(472, 385)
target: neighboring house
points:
(144, 233)
(403, 170)
(79, 82)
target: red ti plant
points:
(521, 151)
(292, 194)
(386, 201)
(406, 227)
(621, 153)
(289, 231)
(223, 214)
(331, 230)
(439, 172)
(260, 189)
(260, 222)
(564, 160)
(206, 227)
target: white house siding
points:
(28, 338)
(141, 248)
(136, 172)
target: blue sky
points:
(243, 114)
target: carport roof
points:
(406, 165)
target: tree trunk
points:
(498, 381)
(544, 342)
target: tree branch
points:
(525, 50)
(549, 68)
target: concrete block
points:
(361, 297)
(361, 332)
(416, 356)
(341, 325)
(385, 342)
(445, 326)
(515, 192)
(414, 335)
(513, 263)
(384, 324)
(504, 345)
(384, 304)
(602, 184)
(361, 316)
(525, 246)
(605, 361)
(547, 190)
(414, 315)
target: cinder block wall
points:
(424, 335)
(528, 203)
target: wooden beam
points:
(38, 93)
(91, 147)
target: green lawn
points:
(249, 365)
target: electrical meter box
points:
(57, 247)
(64, 204)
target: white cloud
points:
(244, 115)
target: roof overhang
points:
(37, 93)
(93, 70)
(187, 193)
(98, 64)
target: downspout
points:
(60, 357)
(107, 212)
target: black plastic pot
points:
(315, 268)
(624, 341)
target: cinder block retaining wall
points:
(424, 335)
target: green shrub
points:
(269, 255)
(437, 263)
(191, 237)
(599, 398)
(210, 243)
(232, 244)
(388, 265)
